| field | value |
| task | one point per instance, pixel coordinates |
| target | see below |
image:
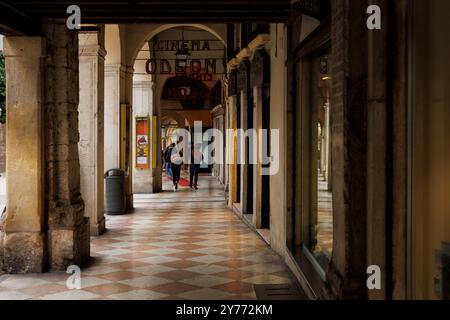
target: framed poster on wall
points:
(142, 143)
(154, 134)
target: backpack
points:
(167, 155)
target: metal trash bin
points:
(115, 203)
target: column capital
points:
(113, 67)
(129, 69)
(143, 84)
(24, 46)
(91, 50)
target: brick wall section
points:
(2, 148)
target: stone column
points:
(258, 119)
(156, 139)
(68, 233)
(22, 240)
(112, 116)
(347, 271)
(91, 108)
(128, 100)
(143, 105)
(245, 167)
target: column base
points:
(157, 181)
(23, 252)
(341, 288)
(97, 229)
(70, 246)
(129, 201)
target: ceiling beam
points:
(14, 22)
(140, 11)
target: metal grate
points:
(278, 292)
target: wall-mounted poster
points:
(142, 143)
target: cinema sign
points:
(181, 64)
(175, 45)
(191, 67)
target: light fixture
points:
(182, 53)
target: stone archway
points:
(139, 50)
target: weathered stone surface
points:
(69, 246)
(91, 127)
(24, 252)
(68, 234)
(24, 127)
(29, 233)
(65, 216)
(98, 228)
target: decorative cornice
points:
(217, 111)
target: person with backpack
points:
(167, 154)
(176, 160)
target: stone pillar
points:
(112, 116)
(68, 233)
(156, 139)
(257, 217)
(91, 108)
(243, 153)
(347, 271)
(128, 100)
(22, 236)
(232, 153)
(143, 107)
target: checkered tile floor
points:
(184, 245)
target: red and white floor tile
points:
(183, 245)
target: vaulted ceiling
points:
(23, 15)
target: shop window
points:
(315, 136)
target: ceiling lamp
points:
(182, 53)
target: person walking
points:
(196, 160)
(167, 154)
(176, 160)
